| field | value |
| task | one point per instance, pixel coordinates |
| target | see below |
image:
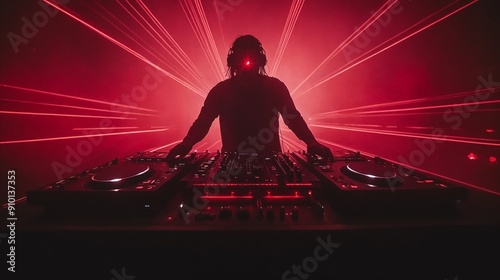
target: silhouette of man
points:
(248, 105)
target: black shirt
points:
(249, 106)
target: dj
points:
(248, 105)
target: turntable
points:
(119, 176)
(355, 183)
(370, 173)
(138, 182)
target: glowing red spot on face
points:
(472, 156)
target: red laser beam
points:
(352, 64)
(374, 17)
(106, 128)
(291, 20)
(164, 146)
(391, 114)
(412, 101)
(408, 135)
(126, 48)
(77, 107)
(431, 107)
(161, 35)
(213, 145)
(79, 136)
(63, 115)
(198, 21)
(75, 97)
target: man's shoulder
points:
(273, 80)
(222, 85)
(270, 82)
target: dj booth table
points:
(88, 242)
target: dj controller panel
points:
(213, 189)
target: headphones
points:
(246, 42)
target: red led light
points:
(247, 63)
(493, 160)
(283, 197)
(472, 156)
(490, 130)
(229, 197)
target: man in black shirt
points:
(249, 104)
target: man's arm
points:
(198, 129)
(293, 119)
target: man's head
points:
(246, 55)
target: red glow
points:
(411, 135)
(198, 20)
(252, 184)
(77, 107)
(79, 136)
(247, 63)
(490, 130)
(164, 146)
(432, 107)
(75, 97)
(229, 197)
(493, 160)
(353, 63)
(291, 20)
(128, 49)
(406, 102)
(284, 196)
(105, 128)
(64, 115)
(375, 16)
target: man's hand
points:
(178, 152)
(320, 150)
